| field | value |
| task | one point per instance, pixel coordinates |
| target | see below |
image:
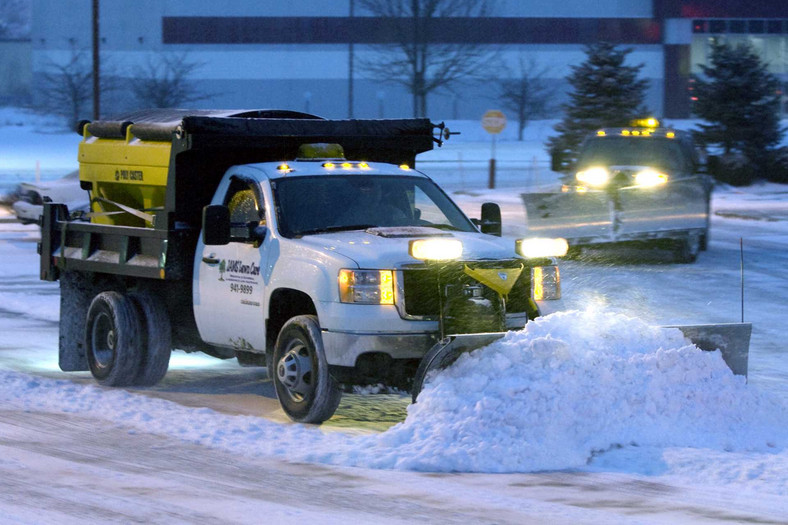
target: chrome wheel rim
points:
(294, 371)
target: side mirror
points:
(215, 225)
(491, 219)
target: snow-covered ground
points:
(591, 415)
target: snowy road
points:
(69, 469)
(69, 461)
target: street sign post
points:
(493, 121)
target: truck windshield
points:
(633, 151)
(320, 204)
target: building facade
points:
(309, 55)
(16, 73)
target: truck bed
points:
(68, 245)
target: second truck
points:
(639, 184)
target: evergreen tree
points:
(739, 99)
(605, 93)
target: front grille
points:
(422, 289)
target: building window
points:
(718, 26)
(756, 26)
(737, 26)
(774, 26)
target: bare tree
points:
(67, 87)
(164, 82)
(417, 59)
(14, 18)
(526, 93)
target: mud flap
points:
(731, 339)
(446, 351)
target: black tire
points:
(304, 387)
(113, 339)
(156, 338)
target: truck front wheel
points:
(304, 387)
(113, 339)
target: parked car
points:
(30, 205)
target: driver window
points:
(245, 209)
(243, 204)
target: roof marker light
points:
(649, 122)
(600, 133)
(404, 167)
(670, 135)
(347, 165)
(329, 165)
(284, 167)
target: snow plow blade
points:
(630, 214)
(446, 351)
(732, 340)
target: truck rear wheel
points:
(304, 387)
(156, 339)
(112, 339)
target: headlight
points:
(435, 249)
(596, 176)
(649, 178)
(366, 286)
(539, 247)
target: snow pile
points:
(572, 385)
(571, 388)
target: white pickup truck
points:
(309, 246)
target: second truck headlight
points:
(650, 178)
(595, 176)
(366, 286)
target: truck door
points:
(228, 285)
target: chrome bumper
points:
(344, 348)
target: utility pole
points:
(350, 66)
(96, 66)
